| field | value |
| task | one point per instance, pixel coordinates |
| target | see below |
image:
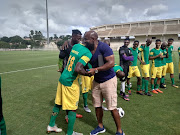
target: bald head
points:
(164, 45)
(148, 42)
(91, 34)
(90, 39)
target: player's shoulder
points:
(152, 50)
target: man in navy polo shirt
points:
(105, 81)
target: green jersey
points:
(179, 51)
(135, 54)
(79, 53)
(158, 61)
(164, 59)
(117, 68)
(170, 49)
(144, 53)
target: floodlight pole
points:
(47, 22)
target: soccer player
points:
(169, 62)
(119, 71)
(179, 62)
(67, 96)
(2, 122)
(145, 67)
(133, 68)
(64, 55)
(165, 53)
(156, 55)
(125, 55)
(86, 87)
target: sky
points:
(18, 17)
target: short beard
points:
(90, 46)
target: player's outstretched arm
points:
(80, 69)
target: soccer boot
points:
(175, 86)
(158, 90)
(66, 118)
(87, 109)
(104, 108)
(154, 91)
(126, 98)
(148, 94)
(139, 92)
(53, 129)
(78, 115)
(76, 133)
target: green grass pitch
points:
(28, 99)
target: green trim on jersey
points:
(144, 53)
(158, 61)
(79, 53)
(170, 49)
(164, 59)
(135, 54)
(117, 68)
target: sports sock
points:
(85, 95)
(155, 81)
(152, 86)
(71, 121)
(138, 87)
(143, 84)
(146, 85)
(128, 86)
(2, 127)
(56, 110)
(172, 80)
(123, 87)
(156, 86)
(162, 80)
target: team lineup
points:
(93, 61)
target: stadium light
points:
(47, 22)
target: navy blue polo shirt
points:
(104, 50)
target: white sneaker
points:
(53, 129)
(87, 109)
(104, 108)
(76, 133)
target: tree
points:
(5, 39)
(16, 39)
(4, 44)
(32, 32)
(55, 36)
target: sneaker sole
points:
(99, 132)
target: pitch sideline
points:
(27, 69)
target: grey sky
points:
(18, 17)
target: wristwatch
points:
(96, 70)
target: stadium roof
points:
(154, 27)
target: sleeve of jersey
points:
(106, 50)
(141, 48)
(85, 58)
(151, 53)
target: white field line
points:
(27, 69)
